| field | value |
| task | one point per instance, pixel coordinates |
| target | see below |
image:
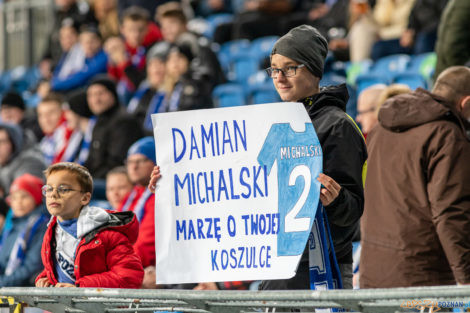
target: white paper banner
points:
(238, 192)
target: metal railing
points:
(24, 29)
(422, 299)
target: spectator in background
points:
(150, 96)
(186, 90)
(415, 227)
(140, 162)
(21, 239)
(81, 120)
(329, 17)
(149, 6)
(13, 111)
(77, 11)
(367, 107)
(17, 158)
(362, 32)
(94, 62)
(118, 186)
(391, 17)
(254, 19)
(127, 58)
(105, 12)
(204, 63)
(115, 130)
(374, 100)
(453, 38)
(72, 59)
(421, 33)
(54, 126)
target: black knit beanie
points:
(304, 44)
(108, 83)
(13, 99)
(78, 104)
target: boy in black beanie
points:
(297, 61)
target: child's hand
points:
(59, 285)
(43, 282)
(154, 177)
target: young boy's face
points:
(118, 186)
(49, 115)
(90, 43)
(67, 37)
(22, 203)
(65, 205)
(171, 28)
(134, 32)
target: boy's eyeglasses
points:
(287, 71)
(48, 190)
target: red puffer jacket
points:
(104, 257)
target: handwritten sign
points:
(238, 192)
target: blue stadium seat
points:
(229, 49)
(244, 64)
(390, 65)
(215, 20)
(411, 79)
(227, 95)
(423, 64)
(366, 80)
(263, 93)
(261, 47)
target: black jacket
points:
(344, 156)
(114, 132)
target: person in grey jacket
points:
(17, 157)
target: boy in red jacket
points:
(85, 246)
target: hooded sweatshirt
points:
(416, 222)
(23, 159)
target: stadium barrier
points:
(24, 29)
(422, 299)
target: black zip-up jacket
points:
(344, 156)
(114, 132)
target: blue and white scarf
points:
(324, 269)
(155, 106)
(85, 147)
(18, 252)
(139, 206)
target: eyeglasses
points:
(137, 162)
(287, 71)
(48, 190)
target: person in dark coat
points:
(13, 110)
(424, 18)
(297, 61)
(150, 96)
(115, 130)
(416, 221)
(78, 11)
(453, 37)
